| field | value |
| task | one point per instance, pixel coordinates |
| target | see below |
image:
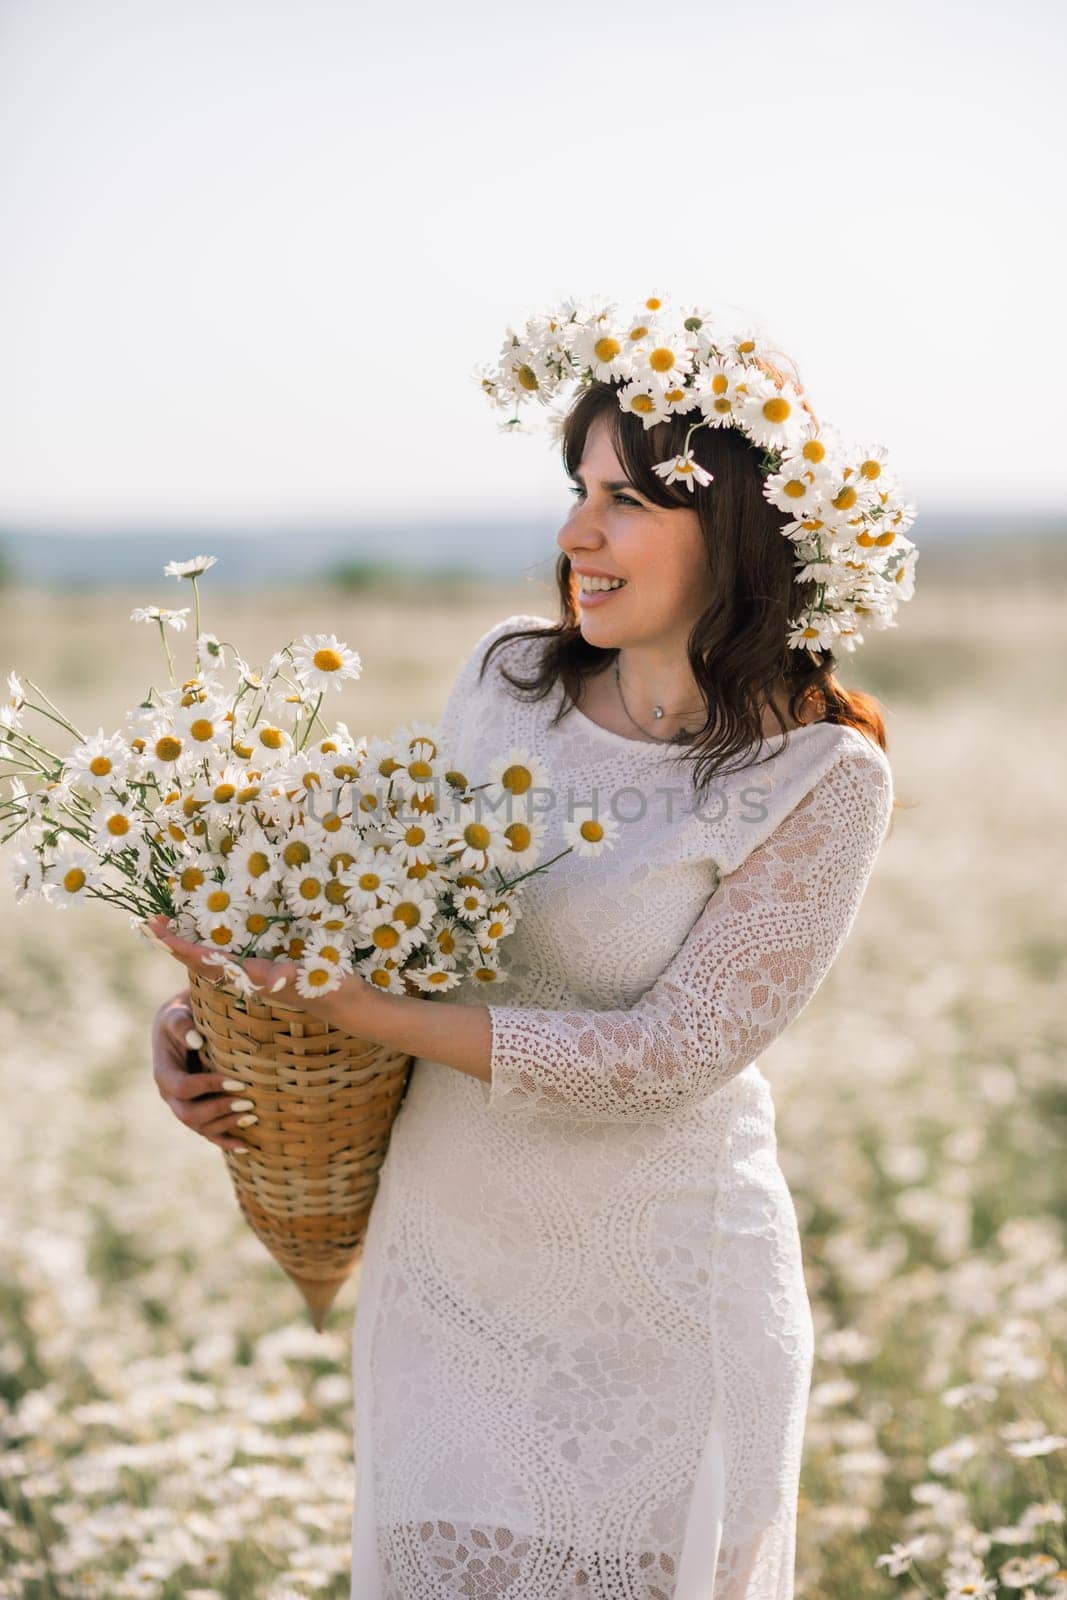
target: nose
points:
(581, 532)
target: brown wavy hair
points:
(737, 649)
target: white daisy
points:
(644, 400)
(316, 975)
(591, 836)
(516, 774)
(116, 823)
(173, 619)
(434, 978)
(384, 975)
(771, 417)
(371, 880)
(471, 902)
(26, 875)
(793, 489)
(99, 763)
(684, 469)
(663, 359)
(816, 631)
(716, 390)
(322, 662)
(476, 844)
(70, 875)
(604, 351)
(189, 569)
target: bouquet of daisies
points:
(231, 805)
(228, 803)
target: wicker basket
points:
(326, 1103)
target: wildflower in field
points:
(175, 619)
(194, 568)
(322, 662)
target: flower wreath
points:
(848, 512)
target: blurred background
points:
(251, 255)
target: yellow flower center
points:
(746, 347)
(643, 404)
(118, 824)
(100, 766)
(606, 349)
(845, 500)
(518, 835)
(369, 880)
(222, 934)
(814, 450)
(795, 490)
(218, 900)
(73, 880)
(380, 978)
(310, 888)
(256, 922)
(420, 771)
(224, 791)
(776, 409)
(328, 660)
(335, 892)
(385, 937)
(477, 836)
(272, 738)
(871, 470)
(639, 332)
(517, 779)
(527, 377)
(296, 853)
(191, 878)
(722, 407)
(661, 359)
(408, 913)
(243, 750)
(202, 729)
(168, 748)
(591, 830)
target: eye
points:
(627, 500)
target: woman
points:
(583, 1342)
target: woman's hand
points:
(196, 1098)
(275, 981)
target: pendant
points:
(657, 712)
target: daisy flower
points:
(717, 393)
(384, 975)
(434, 978)
(488, 972)
(471, 902)
(304, 886)
(11, 709)
(604, 352)
(524, 839)
(684, 469)
(101, 762)
(794, 490)
(773, 418)
(449, 940)
(116, 823)
(524, 370)
(516, 773)
(317, 975)
(70, 875)
(161, 614)
(591, 836)
(814, 632)
(194, 568)
(476, 844)
(326, 948)
(644, 400)
(411, 844)
(369, 881)
(662, 360)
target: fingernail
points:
(194, 1040)
(247, 1121)
(239, 1150)
(233, 1085)
(242, 1105)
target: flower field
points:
(171, 1426)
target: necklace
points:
(683, 736)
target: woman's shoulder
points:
(518, 651)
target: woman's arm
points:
(751, 962)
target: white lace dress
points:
(583, 1342)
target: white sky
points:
(243, 244)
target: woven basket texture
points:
(326, 1102)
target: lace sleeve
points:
(752, 960)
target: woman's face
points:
(613, 530)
